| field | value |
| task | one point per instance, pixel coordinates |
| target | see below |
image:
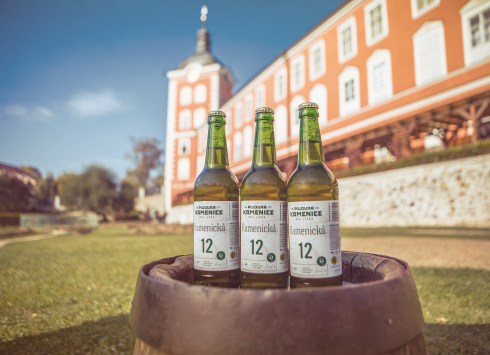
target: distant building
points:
(151, 201)
(392, 77)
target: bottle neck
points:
(264, 147)
(310, 144)
(216, 150)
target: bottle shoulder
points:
(216, 178)
(317, 174)
(263, 183)
(312, 184)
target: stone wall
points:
(453, 193)
(182, 214)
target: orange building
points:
(392, 77)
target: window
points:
(249, 108)
(202, 140)
(184, 146)
(200, 94)
(200, 163)
(229, 122)
(248, 141)
(380, 86)
(319, 95)
(280, 85)
(237, 146)
(260, 96)
(199, 117)
(430, 53)
(297, 73)
(183, 169)
(347, 40)
(185, 119)
(317, 60)
(420, 7)
(349, 93)
(281, 124)
(238, 115)
(376, 21)
(475, 17)
(295, 102)
(185, 96)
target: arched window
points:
(199, 117)
(184, 146)
(185, 96)
(238, 115)
(200, 93)
(281, 124)
(248, 141)
(249, 112)
(237, 146)
(319, 95)
(229, 122)
(295, 102)
(380, 85)
(185, 119)
(183, 169)
(349, 92)
(429, 49)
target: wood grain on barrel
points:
(381, 314)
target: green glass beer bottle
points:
(216, 243)
(263, 213)
(313, 211)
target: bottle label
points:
(216, 235)
(263, 228)
(314, 239)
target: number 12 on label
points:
(260, 247)
(307, 256)
(210, 241)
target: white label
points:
(216, 235)
(314, 239)
(263, 229)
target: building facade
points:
(391, 77)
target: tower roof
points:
(203, 54)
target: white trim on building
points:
(475, 22)
(349, 91)
(317, 61)
(379, 75)
(420, 7)
(375, 21)
(347, 40)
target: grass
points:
(417, 232)
(72, 295)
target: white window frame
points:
(237, 146)
(347, 108)
(260, 96)
(299, 62)
(229, 122)
(199, 111)
(367, 22)
(200, 94)
(181, 143)
(238, 115)
(278, 96)
(183, 172)
(320, 45)
(200, 161)
(322, 110)
(185, 96)
(350, 22)
(185, 124)
(379, 56)
(248, 141)
(416, 13)
(281, 124)
(428, 29)
(294, 118)
(472, 54)
(249, 107)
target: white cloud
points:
(39, 113)
(88, 104)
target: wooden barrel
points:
(379, 314)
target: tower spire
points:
(202, 45)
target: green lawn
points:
(72, 295)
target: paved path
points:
(428, 252)
(31, 238)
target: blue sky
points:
(79, 78)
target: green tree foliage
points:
(46, 190)
(33, 171)
(146, 157)
(127, 192)
(15, 196)
(93, 190)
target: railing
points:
(43, 220)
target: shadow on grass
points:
(457, 338)
(110, 335)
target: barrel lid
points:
(308, 105)
(264, 110)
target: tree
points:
(127, 192)
(33, 171)
(15, 196)
(93, 190)
(146, 157)
(46, 190)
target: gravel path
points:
(428, 252)
(31, 238)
